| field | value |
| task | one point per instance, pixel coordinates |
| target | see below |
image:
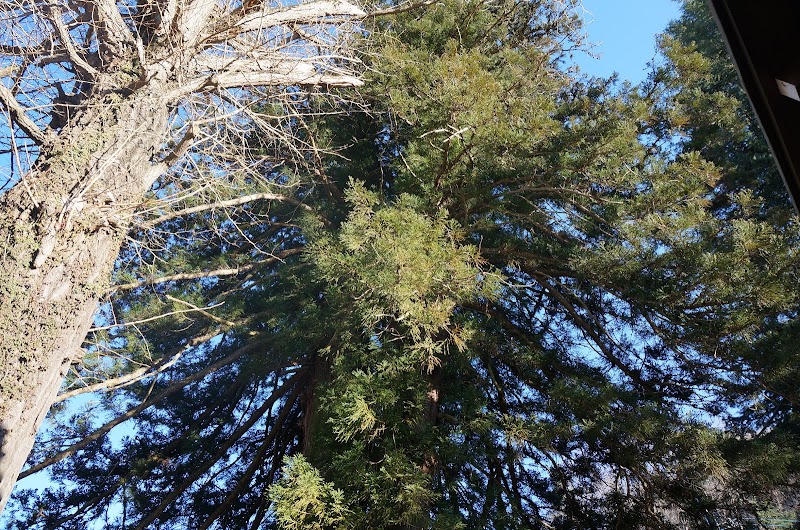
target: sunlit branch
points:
(220, 205)
(157, 317)
(65, 38)
(183, 276)
(248, 72)
(139, 374)
(331, 12)
(202, 311)
(10, 103)
(149, 402)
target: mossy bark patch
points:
(57, 250)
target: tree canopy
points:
(496, 294)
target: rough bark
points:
(105, 144)
(59, 239)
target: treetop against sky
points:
(477, 289)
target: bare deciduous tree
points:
(101, 98)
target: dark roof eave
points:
(760, 40)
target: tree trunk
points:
(124, 69)
(310, 403)
(59, 239)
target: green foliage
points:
(304, 501)
(394, 262)
(518, 298)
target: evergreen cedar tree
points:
(502, 296)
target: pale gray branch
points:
(193, 20)
(304, 75)
(202, 311)
(311, 12)
(181, 276)
(10, 103)
(238, 201)
(128, 379)
(197, 275)
(215, 72)
(63, 35)
(116, 32)
(151, 319)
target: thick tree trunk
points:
(123, 68)
(58, 242)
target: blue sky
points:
(624, 33)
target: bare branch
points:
(206, 274)
(19, 117)
(182, 147)
(19, 51)
(193, 20)
(202, 311)
(312, 12)
(114, 33)
(151, 319)
(130, 378)
(66, 40)
(182, 276)
(298, 76)
(228, 204)
(237, 73)
(172, 389)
